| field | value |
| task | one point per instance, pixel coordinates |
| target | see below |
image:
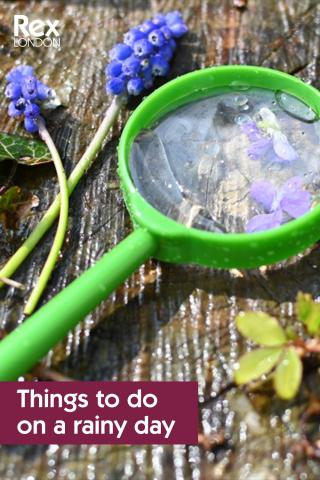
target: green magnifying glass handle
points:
(30, 342)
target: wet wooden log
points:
(166, 322)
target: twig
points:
(44, 373)
(212, 441)
(240, 3)
(226, 388)
(12, 283)
(306, 445)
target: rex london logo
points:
(35, 33)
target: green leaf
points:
(24, 150)
(15, 204)
(256, 363)
(291, 333)
(288, 374)
(308, 312)
(261, 328)
(303, 306)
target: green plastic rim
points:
(176, 242)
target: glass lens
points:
(238, 161)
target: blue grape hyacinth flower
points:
(289, 202)
(144, 54)
(25, 93)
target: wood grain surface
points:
(166, 322)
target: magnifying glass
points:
(186, 150)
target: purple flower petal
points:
(259, 144)
(263, 193)
(282, 147)
(252, 131)
(296, 203)
(266, 221)
(272, 157)
(258, 148)
(293, 199)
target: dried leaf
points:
(288, 374)
(16, 204)
(24, 150)
(261, 328)
(256, 363)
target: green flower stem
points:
(82, 166)
(62, 224)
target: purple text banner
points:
(133, 413)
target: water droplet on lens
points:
(295, 107)
(240, 100)
(238, 85)
(242, 119)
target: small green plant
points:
(281, 350)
